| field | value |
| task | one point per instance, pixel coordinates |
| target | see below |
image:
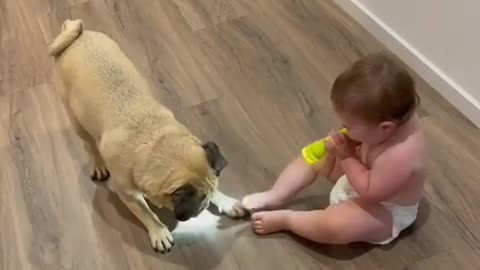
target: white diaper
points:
(403, 216)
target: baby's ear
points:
(215, 157)
(388, 126)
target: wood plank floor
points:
(253, 76)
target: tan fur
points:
(127, 131)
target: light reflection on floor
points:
(205, 223)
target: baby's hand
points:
(340, 145)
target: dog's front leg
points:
(160, 237)
(228, 205)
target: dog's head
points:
(194, 195)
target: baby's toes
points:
(257, 222)
(257, 227)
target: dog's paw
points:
(99, 173)
(232, 208)
(236, 211)
(161, 239)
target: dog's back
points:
(101, 85)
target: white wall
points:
(439, 39)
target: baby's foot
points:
(270, 221)
(261, 201)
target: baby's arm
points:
(387, 175)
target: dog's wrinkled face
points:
(188, 201)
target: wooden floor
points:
(253, 76)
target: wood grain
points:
(254, 76)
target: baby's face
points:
(361, 130)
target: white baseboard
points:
(440, 81)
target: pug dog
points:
(129, 135)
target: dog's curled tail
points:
(71, 30)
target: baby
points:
(378, 169)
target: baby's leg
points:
(294, 178)
(343, 223)
(297, 175)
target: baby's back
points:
(416, 155)
(409, 146)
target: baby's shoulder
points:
(411, 151)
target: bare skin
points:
(294, 178)
(392, 170)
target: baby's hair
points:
(376, 88)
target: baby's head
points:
(374, 97)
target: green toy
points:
(316, 151)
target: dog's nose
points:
(182, 217)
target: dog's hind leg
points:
(98, 167)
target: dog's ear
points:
(214, 157)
